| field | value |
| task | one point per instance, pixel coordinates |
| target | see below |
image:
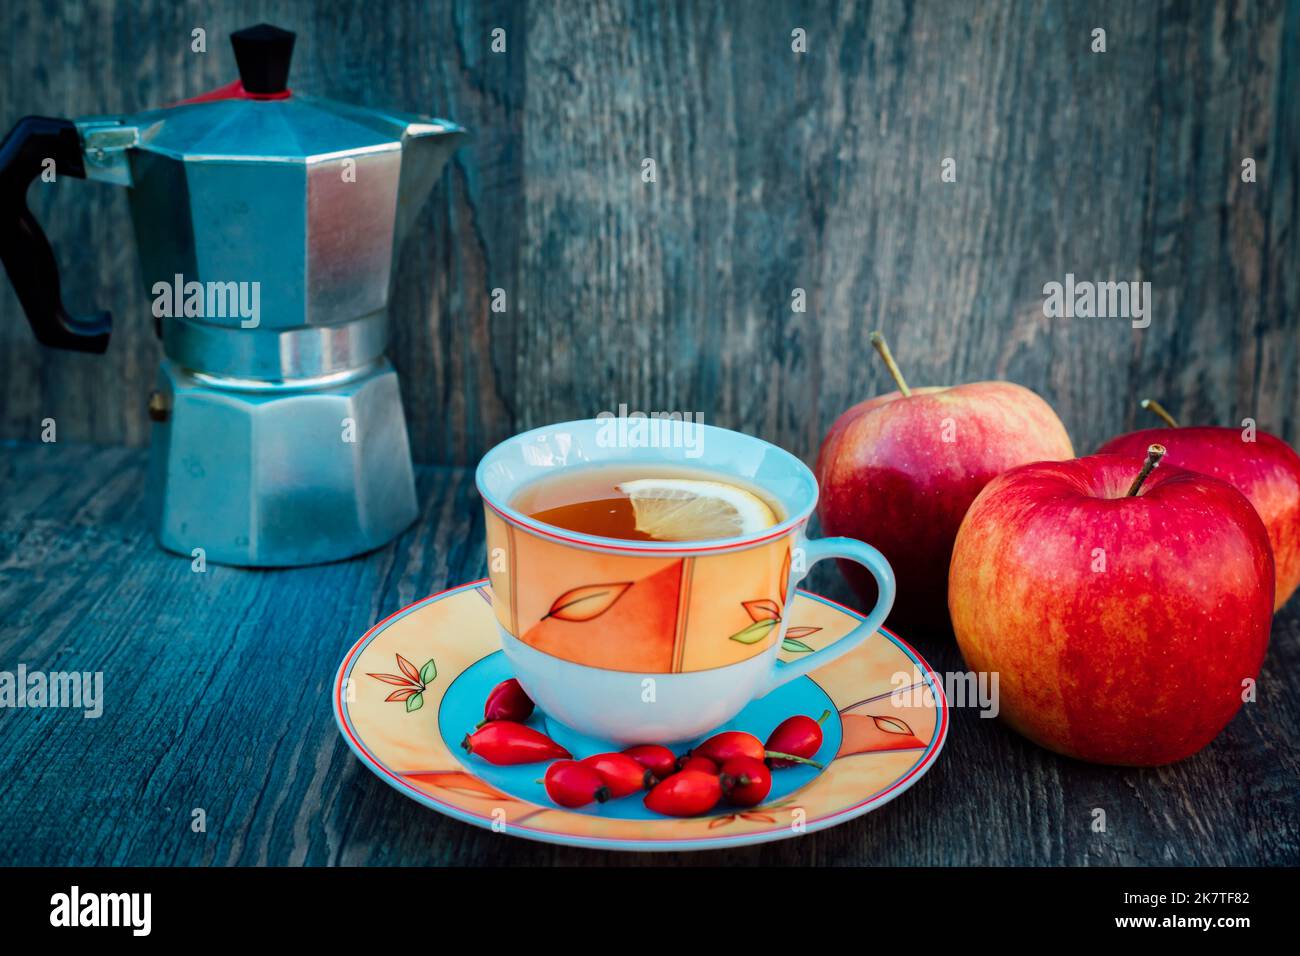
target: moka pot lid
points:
(258, 118)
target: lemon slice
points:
(684, 509)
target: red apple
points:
(1261, 466)
(899, 471)
(1122, 625)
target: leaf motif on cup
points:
(792, 644)
(755, 632)
(764, 610)
(586, 602)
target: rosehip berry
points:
(659, 760)
(799, 736)
(685, 794)
(572, 784)
(507, 702)
(746, 782)
(692, 762)
(621, 773)
(730, 743)
(506, 742)
(736, 743)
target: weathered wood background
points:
(775, 171)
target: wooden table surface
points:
(216, 696)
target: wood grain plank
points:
(775, 171)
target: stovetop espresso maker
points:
(268, 223)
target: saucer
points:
(409, 691)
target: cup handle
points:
(873, 561)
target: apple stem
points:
(1154, 454)
(1155, 408)
(878, 342)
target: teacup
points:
(650, 641)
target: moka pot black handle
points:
(24, 154)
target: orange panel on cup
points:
(501, 572)
(735, 605)
(633, 626)
(637, 613)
